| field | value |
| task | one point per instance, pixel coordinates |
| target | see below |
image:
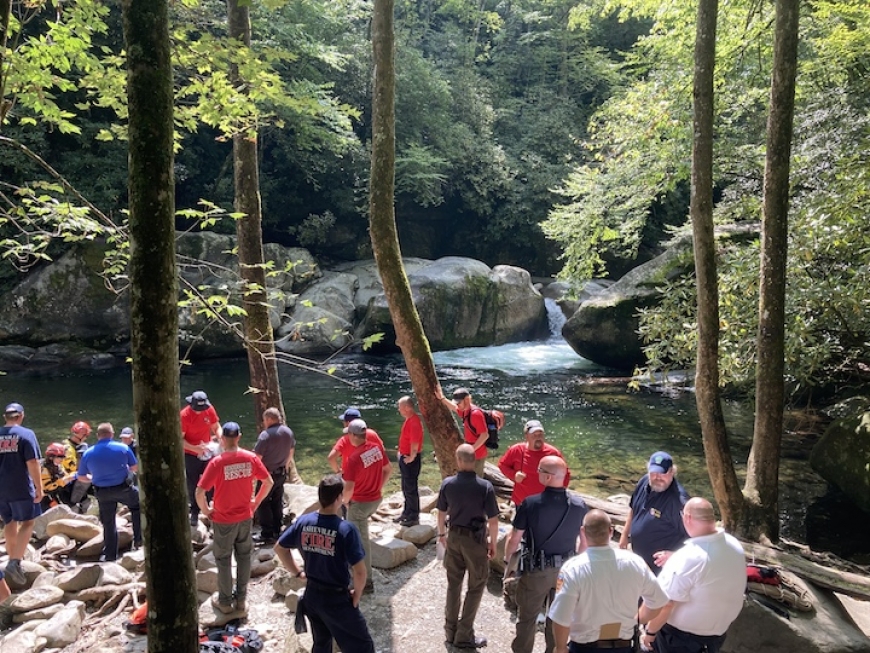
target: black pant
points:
(193, 469)
(108, 499)
(332, 615)
(410, 473)
(574, 647)
(674, 640)
(271, 511)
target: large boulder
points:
(605, 327)
(464, 303)
(842, 457)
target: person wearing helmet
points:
(76, 445)
(56, 482)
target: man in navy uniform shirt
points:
(111, 466)
(655, 523)
(335, 572)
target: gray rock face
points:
(842, 457)
(62, 315)
(464, 303)
(604, 328)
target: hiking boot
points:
(409, 522)
(194, 521)
(475, 642)
(14, 572)
(223, 608)
(241, 605)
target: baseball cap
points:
(356, 427)
(198, 400)
(460, 393)
(14, 409)
(351, 413)
(660, 462)
(231, 430)
(126, 432)
(533, 425)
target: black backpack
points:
(494, 422)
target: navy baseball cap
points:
(14, 409)
(231, 430)
(198, 400)
(660, 462)
(351, 413)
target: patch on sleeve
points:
(559, 582)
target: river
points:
(605, 431)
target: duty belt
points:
(541, 560)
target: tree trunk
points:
(720, 465)
(260, 343)
(762, 477)
(172, 621)
(5, 14)
(385, 244)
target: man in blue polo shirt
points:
(109, 465)
(20, 488)
(655, 522)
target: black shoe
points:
(477, 642)
(264, 539)
(409, 522)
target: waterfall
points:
(555, 318)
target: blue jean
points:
(332, 615)
(108, 499)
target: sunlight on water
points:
(518, 358)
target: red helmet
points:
(81, 428)
(55, 450)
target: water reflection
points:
(605, 432)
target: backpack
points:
(494, 422)
(230, 639)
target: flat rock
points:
(284, 582)
(291, 601)
(115, 574)
(301, 499)
(79, 578)
(262, 567)
(63, 628)
(75, 528)
(207, 581)
(41, 613)
(389, 552)
(419, 535)
(33, 599)
(134, 561)
(58, 543)
(22, 639)
(40, 524)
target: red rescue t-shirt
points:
(365, 468)
(232, 475)
(520, 458)
(345, 447)
(196, 424)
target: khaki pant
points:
(358, 513)
(533, 590)
(466, 553)
(229, 539)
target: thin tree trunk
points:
(5, 14)
(762, 477)
(260, 345)
(385, 243)
(720, 465)
(171, 588)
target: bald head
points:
(597, 526)
(699, 518)
(552, 471)
(465, 457)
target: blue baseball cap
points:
(660, 462)
(351, 413)
(14, 409)
(231, 430)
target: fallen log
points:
(104, 592)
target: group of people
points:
(680, 585)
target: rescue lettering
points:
(237, 470)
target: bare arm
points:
(626, 531)
(513, 543)
(657, 620)
(359, 581)
(332, 459)
(493, 537)
(386, 472)
(442, 525)
(289, 458)
(287, 560)
(348, 492)
(36, 477)
(561, 634)
(202, 502)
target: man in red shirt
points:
(232, 474)
(343, 447)
(199, 426)
(365, 473)
(410, 456)
(473, 421)
(520, 462)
